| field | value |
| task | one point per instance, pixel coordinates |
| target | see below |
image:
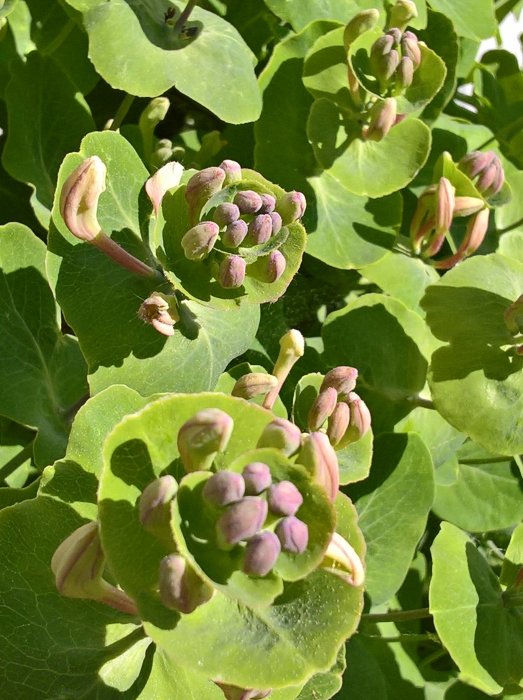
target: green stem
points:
(402, 638)
(121, 112)
(59, 38)
(483, 460)
(397, 615)
(422, 403)
(511, 226)
(432, 657)
(182, 19)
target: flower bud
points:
(513, 316)
(402, 12)
(293, 535)
(161, 182)
(155, 500)
(160, 311)
(410, 48)
(163, 153)
(474, 234)
(253, 384)
(201, 187)
(275, 265)
(284, 498)
(224, 488)
(292, 347)
(79, 198)
(338, 423)
(241, 521)
(465, 206)
(202, 437)
(282, 435)
(322, 407)
(231, 273)
(340, 551)
(475, 162)
(445, 201)
(487, 168)
(232, 692)
(260, 229)
(257, 477)
(491, 180)
(276, 222)
(360, 23)
(341, 378)
(234, 234)
(232, 170)
(380, 48)
(261, 554)
(151, 116)
(199, 240)
(268, 204)
(382, 119)
(318, 456)
(396, 34)
(225, 213)
(404, 73)
(360, 419)
(291, 207)
(180, 587)
(248, 201)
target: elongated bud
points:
(322, 408)
(257, 477)
(163, 153)
(276, 222)
(284, 498)
(338, 423)
(254, 384)
(402, 12)
(360, 418)
(180, 587)
(161, 182)
(151, 116)
(224, 488)
(268, 204)
(202, 437)
(231, 273)
(396, 34)
(234, 234)
(232, 692)
(410, 48)
(382, 119)
(275, 265)
(488, 170)
(79, 199)
(292, 347)
(491, 180)
(282, 435)
(201, 187)
(340, 552)
(424, 219)
(475, 233)
(319, 458)
(404, 73)
(380, 48)
(342, 378)
(248, 201)
(475, 162)
(260, 229)
(225, 213)
(261, 554)
(360, 23)
(161, 312)
(445, 203)
(291, 206)
(513, 316)
(241, 521)
(232, 170)
(293, 534)
(199, 240)
(465, 206)
(155, 501)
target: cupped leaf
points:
(479, 367)
(481, 632)
(42, 373)
(214, 67)
(471, 18)
(439, 436)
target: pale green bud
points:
(201, 187)
(199, 240)
(180, 587)
(155, 501)
(362, 22)
(319, 458)
(253, 384)
(202, 437)
(291, 206)
(402, 12)
(282, 435)
(513, 316)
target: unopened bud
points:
(491, 180)
(402, 12)
(234, 234)
(268, 204)
(261, 554)
(232, 692)
(260, 229)
(445, 201)
(396, 34)
(201, 187)
(224, 488)
(362, 22)
(154, 502)
(276, 222)
(474, 234)
(338, 423)
(291, 206)
(248, 201)
(342, 378)
(382, 119)
(322, 408)
(360, 419)
(232, 170)
(162, 181)
(202, 437)
(253, 384)
(284, 498)
(199, 240)
(231, 273)
(410, 48)
(282, 435)
(293, 535)
(151, 116)
(475, 162)
(292, 347)
(465, 206)
(257, 477)
(180, 587)
(274, 266)
(319, 458)
(380, 48)
(404, 73)
(241, 521)
(513, 316)
(160, 311)
(225, 213)
(341, 552)
(487, 168)
(79, 199)
(424, 220)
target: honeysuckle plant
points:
(261, 350)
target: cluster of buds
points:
(485, 169)
(337, 404)
(394, 58)
(238, 224)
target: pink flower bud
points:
(260, 229)
(257, 477)
(162, 181)
(465, 206)
(319, 458)
(276, 222)
(322, 408)
(293, 535)
(360, 419)
(234, 234)
(248, 201)
(342, 378)
(268, 204)
(284, 498)
(241, 521)
(487, 168)
(225, 213)
(282, 435)
(405, 72)
(338, 423)
(261, 554)
(201, 187)
(224, 488)
(410, 48)
(382, 119)
(79, 198)
(232, 170)
(231, 273)
(275, 265)
(475, 233)
(154, 502)
(199, 240)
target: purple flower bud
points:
(284, 498)
(341, 378)
(248, 202)
(268, 204)
(260, 229)
(275, 265)
(257, 477)
(202, 436)
(234, 234)
(293, 534)
(382, 119)
(261, 554)
(232, 170)
(231, 273)
(410, 48)
(359, 417)
(381, 47)
(276, 222)
(154, 502)
(201, 187)
(225, 213)
(224, 488)
(338, 423)
(281, 434)
(291, 206)
(322, 407)
(179, 585)
(395, 33)
(199, 240)
(241, 521)
(404, 72)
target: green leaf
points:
(478, 368)
(482, 635)
(325, 685)
(215, 68)
(471, 18)
(439, 436)
(59, 118)
(441, 38)
(300, 14)
(393, 505)
(16, 450)
(42, 374)
(513, 561)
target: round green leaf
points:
(439, 436)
